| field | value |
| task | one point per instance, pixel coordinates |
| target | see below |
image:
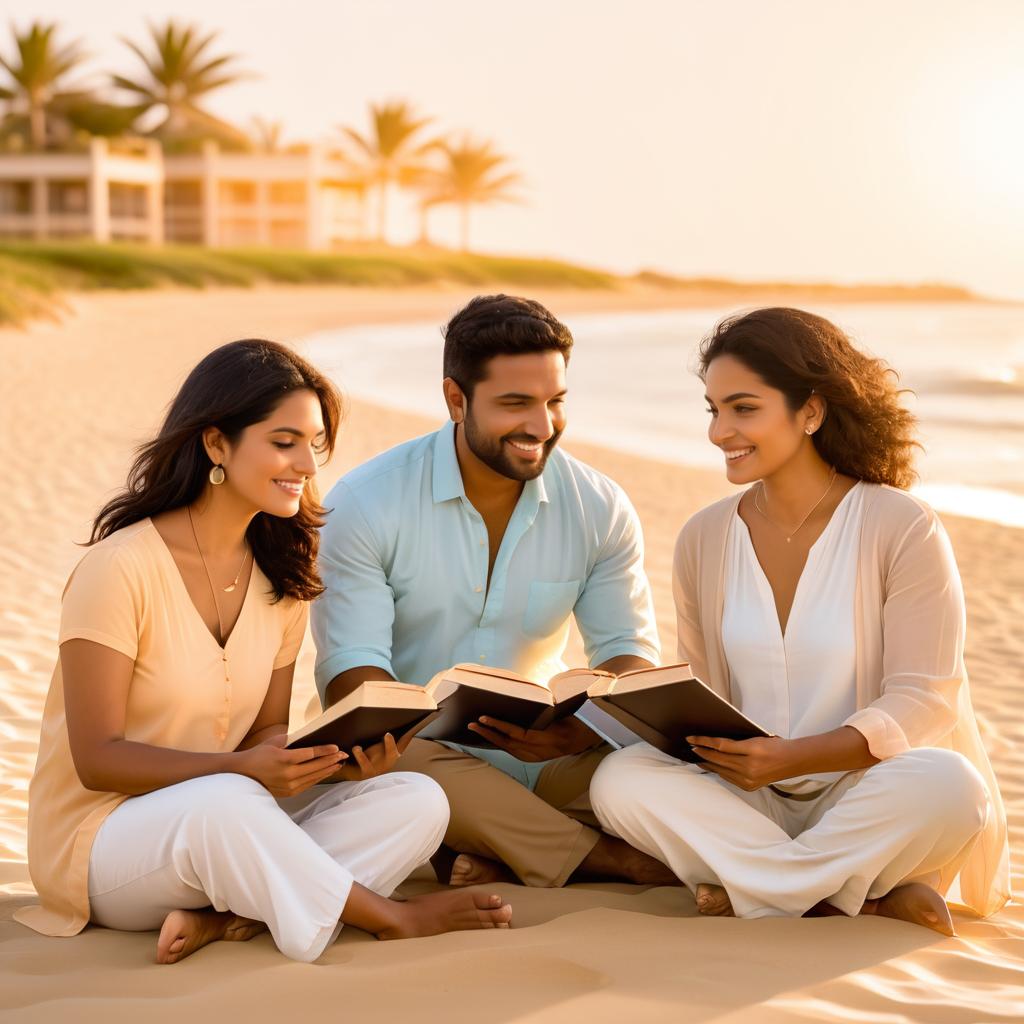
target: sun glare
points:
(992, 137)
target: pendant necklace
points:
(790, 536)
(209, 579)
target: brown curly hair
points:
(867, 433)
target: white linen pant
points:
(224, 841)
(899, 821)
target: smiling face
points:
(270, 463)
(516, 414)
(751, 422)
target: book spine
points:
(549, 716)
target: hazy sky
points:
(867, 141)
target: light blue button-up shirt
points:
(404, 559)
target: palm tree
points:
(472, 173)
(266, 135)
(392, 146)
(179, 73)
(38, 72)
(424, 179)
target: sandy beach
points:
(79, 393)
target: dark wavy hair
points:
(496, 325)
(236, 385)
(867, 433)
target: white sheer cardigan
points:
(910, 623)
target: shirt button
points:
(478, 590)
(481, 543)
(483, 657)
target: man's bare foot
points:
(917, 903)
(439, 912)
(468, 869)
(185, 931)
(713, 901)
(613, 859)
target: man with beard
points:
(475, 544)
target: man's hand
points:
(568, 736)
(748, 764)
(374, 760)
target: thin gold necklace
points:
(782, 529)
(209, 579)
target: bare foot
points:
(185, 931)
(916, 903)
(613, 859)
(713, 901)
(439, 912)
(468, 869)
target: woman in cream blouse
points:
(824, 601)
(153, 804)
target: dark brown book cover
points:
(665, 714)
(467, 703)
(363, 726)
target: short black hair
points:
(496, 325)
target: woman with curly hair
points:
(162, 755)
(823, 601)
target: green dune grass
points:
(34, 275)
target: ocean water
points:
(632, 386)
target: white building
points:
(129, 190)
(108, 191)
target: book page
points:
(570, 684)
(643, 678)
(490, 681)
(371, 694)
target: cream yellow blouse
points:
(186, 693)
(909, 626)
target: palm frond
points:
(178, 70)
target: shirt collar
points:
(447, 479)
(447, 482)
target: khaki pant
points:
(543, 836)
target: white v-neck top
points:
(802, 682)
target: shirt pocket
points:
(548, 606)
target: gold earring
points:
(217, 475)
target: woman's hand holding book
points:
(289, 772)
(747, 764)
(763, 760)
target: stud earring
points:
(808, 430)
(217, 475)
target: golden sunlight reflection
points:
(992, 132)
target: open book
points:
(663, 706)
(466, 692)
(366, 714)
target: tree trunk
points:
(464, 226)
(382, 210)
(36, 123)
(424, 238)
